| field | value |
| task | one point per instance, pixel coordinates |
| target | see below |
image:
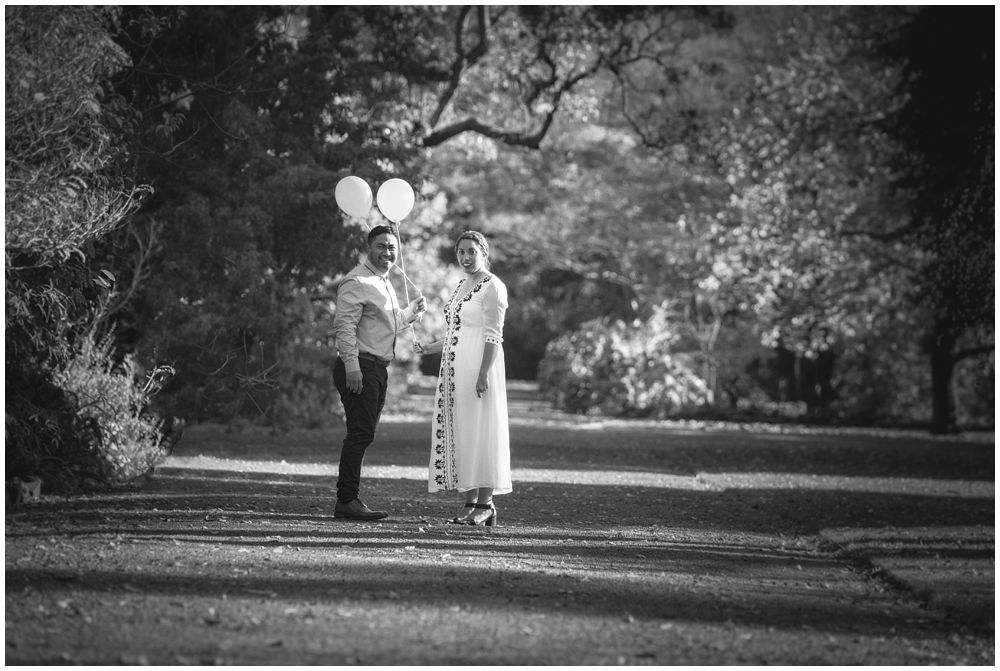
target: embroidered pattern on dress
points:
(445, 469)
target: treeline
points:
(682, 200)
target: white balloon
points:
(354, 196)
(395, 199)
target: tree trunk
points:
(788, 386)
(808, 383)
(943, 419)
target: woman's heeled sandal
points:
(490, 520)
(462, 520)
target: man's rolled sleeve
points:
(408, 316)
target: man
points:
(366, 324)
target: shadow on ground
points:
(230, 554)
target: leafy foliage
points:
(841, 178)
(734, 164)
(67, 188)
(108, 396)
(63, 181)
(946, 180)
(246, 164)
(761, 205)
(620, 369)
(245, 148)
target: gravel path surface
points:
(644, 543)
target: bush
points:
(70, 417)
(112, 399)
(46, 437)
(882, 379)
(305, 395)
(620, 369)
(975, 382)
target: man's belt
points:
(371, 357)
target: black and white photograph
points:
(499, 335)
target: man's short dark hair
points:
(380, 230)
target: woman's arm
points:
(430, 348)
(489, 354)
(494, 309)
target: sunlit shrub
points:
(618, 369)
(112, 398)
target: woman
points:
(470, 441)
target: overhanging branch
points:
(473, 125)
(463, 59)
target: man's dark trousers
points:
(362, 412)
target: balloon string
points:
(402, 270)
(406, 280)
(406, 277)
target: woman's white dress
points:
(470, 440)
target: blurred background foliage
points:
(737, 212)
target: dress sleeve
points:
(494, 309)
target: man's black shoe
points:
(356, 510)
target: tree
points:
(245, 140)
(67, 186)
(727, 164)
(507, 73)
(947, 178)
(813, 234)
(63, 179)
(624, 225)
(806, 159)
(248, 128)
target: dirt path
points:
(623, 543)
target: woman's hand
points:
(434, 347)
(482, 385)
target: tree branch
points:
(145, 249)
(537, 87)
(531, 140)
(474, 125)
(462, 59)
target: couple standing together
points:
(470, 443)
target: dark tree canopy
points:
(806, 178)
(947, 174)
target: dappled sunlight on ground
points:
(700, 481)
(622, 543)
(241, 561)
